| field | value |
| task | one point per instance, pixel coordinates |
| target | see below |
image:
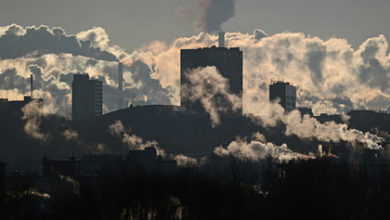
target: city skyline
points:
(194, 109)
(131, 24)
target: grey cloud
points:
(9, 80)
(18, 42)
(375, 75)
(315, 58)
(151, 88)
(213, 13)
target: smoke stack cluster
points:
(221, 39)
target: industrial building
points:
(285, 93)
(228, 61)
(87, 97)
(13, 108)
(97, 164)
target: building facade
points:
(228, 61)
(95, 164)
(87, 98)
(285, 93)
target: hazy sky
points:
(131, 23)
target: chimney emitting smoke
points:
(120, 85)
(120, 77)
(221, 39)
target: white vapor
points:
(256, 150)
(205, 84)
(309, 128)
(33, 113)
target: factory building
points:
(97, 164)
(228, 61)
(285, 93)
(87, 98)
(13, 108)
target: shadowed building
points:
(285, 93)
(2, 177)
(86, 98)
(305, 111)
(95, 164)
(14, 108)
(228, 61)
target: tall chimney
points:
(221, 39)
(120, 77)
(31, 85)
(120, 85)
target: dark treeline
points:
(228, 188)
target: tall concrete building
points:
(87, 98)
(228, 61)
(285, 92)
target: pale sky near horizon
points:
(133, 23)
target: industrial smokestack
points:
(31, 85)
(221, 39)
(120, 85)
(120, 77)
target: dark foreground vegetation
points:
(228, 189)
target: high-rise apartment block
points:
(286, 94)
(87, 98)
(228, 61)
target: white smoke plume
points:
(62, 55)
(72, 184)
(256, 150)
(309, 128)
(331, 75)
(185, 161)
(36, 193)
(204, 85)
(132, 141)
(70, 134)
(33, 112)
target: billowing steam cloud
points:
(331, 76)
(185, 161)
(309, 128)
(205, 85)
(132, 141)
(256, 150)
(33, 113)
(54, 64)
(213, 13)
